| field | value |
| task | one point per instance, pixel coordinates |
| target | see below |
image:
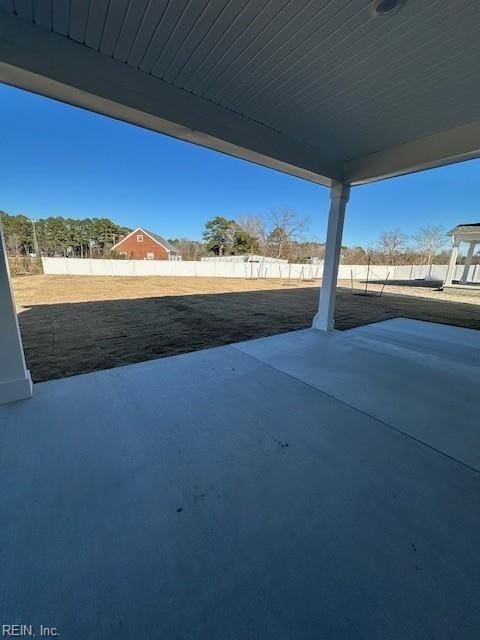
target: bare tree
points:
(429, 242)
(354, 255)
(392, 244)
(190, 249)
(286, 226)
(306, 250)
(255, 226)
(14, 244)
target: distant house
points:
(142, 244)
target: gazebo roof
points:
(472, 227)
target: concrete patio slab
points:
(211, 495)
(418, 377)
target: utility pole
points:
(35, 241)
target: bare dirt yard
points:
(78, 324)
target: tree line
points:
(282, 233)
(58, 236)
(429, 245)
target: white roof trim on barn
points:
(169, 249)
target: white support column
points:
(324, 320)
(452, 263)
(468, 262)
(15, 382)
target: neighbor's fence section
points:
(251, 270)
(400, 272)
(435, 272)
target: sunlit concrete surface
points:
(421, 378)
(307, 485)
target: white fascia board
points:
(144, 233)
(127, 236)
(467, 237)
(49, 64)
(155, 240)
(445, 147)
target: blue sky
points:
(60, 160)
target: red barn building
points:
(141, 244)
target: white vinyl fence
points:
(99, 267)
(435, 272)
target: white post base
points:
(16, 389)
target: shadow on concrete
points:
(68, 339)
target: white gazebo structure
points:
(468, 283)
(314, 484)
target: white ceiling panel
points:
(114, 21)
(322, 73)
(134, 15)
(60, 15)
(147, 31)
(97, 15)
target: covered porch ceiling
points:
(320, 89)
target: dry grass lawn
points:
(77, 324)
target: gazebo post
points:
(468, 262)
(453, 261)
